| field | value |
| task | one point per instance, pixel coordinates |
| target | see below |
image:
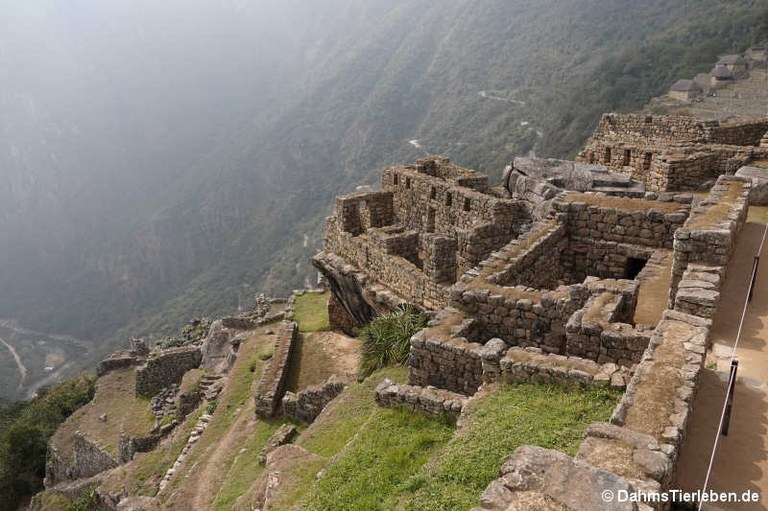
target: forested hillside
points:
(166, 160)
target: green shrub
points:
(24, 438)
(386, 339)
(211, 408)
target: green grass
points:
(311, 312)
(346, 414)
(390, 447)
(245, 467)
(512, 416)
(143, 475)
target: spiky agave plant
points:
(386, 339)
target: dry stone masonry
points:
(539, 281)
(272, 383)
(671, 153)
(165, 368)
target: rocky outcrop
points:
(534, 478)
(220, 347)
(279, 474)
(758, 195)
(347, 290)
(284, 435)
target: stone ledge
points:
(530, 365)
(428, 400)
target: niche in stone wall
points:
(647, 157)
(431, 220)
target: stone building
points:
(720, 76)
(736, 64)
(685, 90)
(429, 223)
(674, 153)
(601, 290)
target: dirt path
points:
(741, 462)
(216, 464)
(17, 359)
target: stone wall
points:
(453, 202)
(119, 360)
(670, 129)
(272, 383)
(533, 260)
(89, 458)
(307, 404)
(531, 365)
(606, 232)
(413, 284)
(709, 235)
(427, 400)
(595, 332)
(652, 129)
(522, 317)
(56, 469)
(360, 211)
(744, 133)
(674, 153)
(165, 368)
(445, 360)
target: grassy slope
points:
(499, 423)
(311, 312)
(217, 471)
(388, 459)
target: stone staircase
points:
(764, 141)
(210, 386)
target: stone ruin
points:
(674, 153)
(600, 272)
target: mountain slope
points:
(197, 196)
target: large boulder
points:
(758, 195)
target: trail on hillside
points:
(19, 363)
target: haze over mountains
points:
(160, 161)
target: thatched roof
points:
(721, 72)
(686, 86)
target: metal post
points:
(729, 402)
(754, 277)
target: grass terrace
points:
(391, 459)
(125, 412)
(311, 312)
